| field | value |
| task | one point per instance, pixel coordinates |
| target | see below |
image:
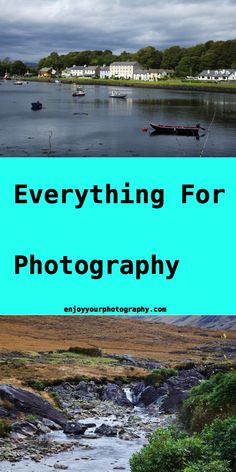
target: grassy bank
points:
(172, 84)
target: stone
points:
(106, 430)
(149, 395)
(60, 466)
(77, 428)
(116, 394)
(31, 403)
(50, 424)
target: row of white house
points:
(118, 70)
(217, 75)
(133, 70)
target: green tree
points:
(149, 57)
(18, 67)
(171, 57)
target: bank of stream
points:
(115, 431)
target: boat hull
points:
(78, 94)
(179, 130)
(118, 96)
(36, 106)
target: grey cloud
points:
(31, 29)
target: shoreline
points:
(164, 85)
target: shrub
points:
(221, 436)
(215, 466)
(87, 351)
(170, 450)
(36, 384)
(213, 398)
(5, 429)
(212, 450)
(159, 376)
(31, 418)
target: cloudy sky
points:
(30, 29)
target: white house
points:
(66, 72)
(158, 74)
(124, 70)
(217, 75)
(152, 74)
(77, 71)
(105, 72)
(232, 75)
(91, 71)
(141, 74)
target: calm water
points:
(97, 125)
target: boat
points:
(58, 82)
(18, 82)
(36, 106)
(7, 76)
(116, 94)
(78, 93)
(177, 129)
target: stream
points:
(94, 452)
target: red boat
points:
(177, 129)
(80, 93)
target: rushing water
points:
(96, 125)
(94, 453)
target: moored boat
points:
(78, 93)
(18, 82)
(177, 129)
(7, 76)
(116, 94)
(36, 106)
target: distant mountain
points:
(31, 64)
(209, 322)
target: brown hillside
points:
(113, 335)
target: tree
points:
(171, 57)
(18, 68)
(149, 57)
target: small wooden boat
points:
(177, 129)
(116, 94)
(36, 106)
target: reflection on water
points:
(96, 125)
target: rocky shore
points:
(95, 416)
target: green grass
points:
(181, 84)
(159, 376)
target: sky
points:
(31, 29)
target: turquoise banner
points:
(117, 236)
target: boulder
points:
(50, 424)
(7, 413)
(77, 428)
(178, 388)
(86, 391)
(28, 402)
(60, 466)
(106, 430)
(149, 395)
(116, 394)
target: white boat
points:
(58, 82)
(18, 82)
(116, 94)
(7, 76)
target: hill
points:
(207, 322)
